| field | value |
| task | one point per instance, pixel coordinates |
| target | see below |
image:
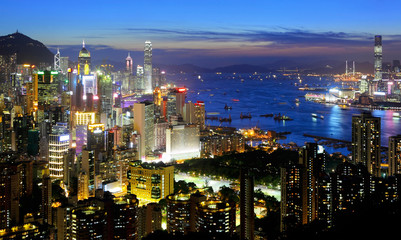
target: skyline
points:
(211, 33)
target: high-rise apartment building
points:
(150, 219)
(88, 223)
(300, 188)
(366, 142)
(216, 217)
(394, 155)
(247, 212)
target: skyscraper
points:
(128, 64)
(366, 142)
(394, 155)
(46, 210)
(144, 125)
(59, 142)
(215, 217)
(84, 61)
(300, 188)
(247, 213)
(378, 57)
(148, 67)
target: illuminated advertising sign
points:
(64, 138)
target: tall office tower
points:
(151, 183)
(69, 167)
(144, 125)
(150, 219)
(156, 77)
(88, 223)
(95, 140)
(64, 64)
(46, 208)
(59, 142)
(129, 64)
(180, 95)
(247, 213)
(366, 142)
(88, 166)
(378, 57)
(57, 64)
(9, 196)
(394, 155)
(148, 67)
(83, 186)
(139, 83)
(84, 61)
(215, 217)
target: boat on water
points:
(283, 117)
(242, 116)
(225, 119)
(267, 115)
(314, 115)
(235, 100)
(226, 107)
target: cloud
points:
(243, 46)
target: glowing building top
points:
(84, 60)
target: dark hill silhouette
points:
(28, 50)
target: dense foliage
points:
(264, 166)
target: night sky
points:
(210, 32)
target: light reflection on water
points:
(278, 96)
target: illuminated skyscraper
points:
(46, 208)
(366, 142)
(84, 61)
(378, 57)
(139, 84)
(394, 155)
(148, 67)
(144, 125)
(128, 64)
(83, 186)
(59, 142)
(57, 65)
(300, 188)
(247, 212)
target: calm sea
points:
(266, 94)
